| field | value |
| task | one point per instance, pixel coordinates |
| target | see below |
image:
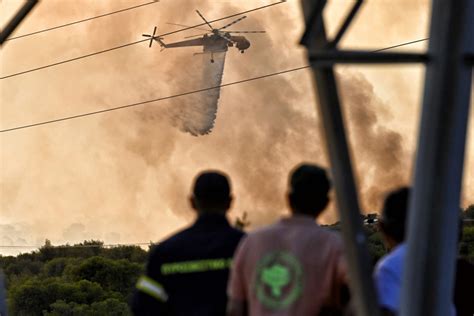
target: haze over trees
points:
(90, 279)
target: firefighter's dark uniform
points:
(187, 274)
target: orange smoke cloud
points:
(125, 176)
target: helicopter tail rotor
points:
(155, 38)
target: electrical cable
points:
(72, 59)
(151, 101)
(81, 21)
(133, 43)
(400, 45)
(75, 246)
(177, 95)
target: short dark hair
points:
(211, 188)
(394, 213)
(309, 187)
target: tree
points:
(466, 247)
(84, 279)
(36, 295)
(57, 266)
(111, 306)
(116, 275)
(469, 212)
(28, 299)
(108, 307)
(242, 222)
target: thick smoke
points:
(125, 176)
(379, 153)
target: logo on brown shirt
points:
(279, 280)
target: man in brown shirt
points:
(293, 267)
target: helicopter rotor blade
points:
(224, 37)
(229, 31)
(183, 25)
(233, 22)
(146, 35)
(197, 35)
(208, 24)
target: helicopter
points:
(217, 40)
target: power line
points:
(75, 246)
(91, 246)
(136, 42)
(400, 45)
(151, 101)
(81, 21)
(177, 95)
(73, 59)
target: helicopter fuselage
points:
(215, 43)
(241, 43)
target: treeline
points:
(90, 279)
(84, 279)
(377, 248)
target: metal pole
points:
(434, 205)
(16, 20)
(331, 57)
(359, 268)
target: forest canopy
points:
(92, 279)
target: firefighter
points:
(187, 273)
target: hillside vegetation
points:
(90, 279)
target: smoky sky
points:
(125, 176)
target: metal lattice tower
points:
(429, 272)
